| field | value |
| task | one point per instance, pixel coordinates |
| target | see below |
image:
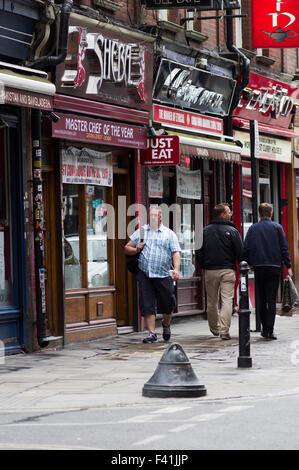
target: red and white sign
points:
(275, 23)
(267, 101)
(178, 118)
(161, 151)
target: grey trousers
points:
(219, 281)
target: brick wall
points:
(131, 12)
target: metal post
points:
(244, 359)
(253, 152)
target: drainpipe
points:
(242, 82)
(52, 61)
(244, 63)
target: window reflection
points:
(72, 266)
(97, 251)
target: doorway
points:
(123, 279)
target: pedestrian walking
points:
(221, 248)
(266, 251)
(159, 266)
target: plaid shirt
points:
(155, 260)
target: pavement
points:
(111, 372)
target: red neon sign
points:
(275, 23)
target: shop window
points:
(246, 196)
(72, 269)
(97, 253)
(85, 212)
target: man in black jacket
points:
(266, 250)
(221, 248)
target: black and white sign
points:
(193, 88)
(198, 4)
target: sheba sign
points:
(106, 66)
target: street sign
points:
(162, 151)
(202, 5)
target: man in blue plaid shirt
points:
(159, 251)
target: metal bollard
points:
(244, 359)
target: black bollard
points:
(244, 359)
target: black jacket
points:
(266, 245)
(222, 245)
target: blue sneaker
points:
(151, 338)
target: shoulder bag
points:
(132, 260)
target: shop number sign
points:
(162, 151)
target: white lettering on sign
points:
(178, 86)
(161, 148)
(112, 59)
(274, 99)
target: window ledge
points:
(169, 26)
(249, 54)
(196, 35)
(262, 59)
(108, 5)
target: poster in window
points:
(86, 166)
(188, 183)
(155, 182)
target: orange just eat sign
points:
(275, 23)
(162, 151)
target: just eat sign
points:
(161, 151)
(275, 23)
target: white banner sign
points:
(270, 147)
(188, 183)
(86, 166)
(155, 182)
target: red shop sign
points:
(98, 131)
(268, 101)
(275, 23)
(161, 151)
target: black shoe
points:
(166, 332)
(151, 338)
(264, 334)
(271, 336)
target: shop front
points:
(189, 190)
(22, 92)
(102, 116)
(272, 105)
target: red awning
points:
(245, 124)
(79, 105)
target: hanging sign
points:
(275, 23)
(86, 166)
(188, 183)
(162, 151)
(192, 88)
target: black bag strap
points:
(141, 234)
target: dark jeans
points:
(267, 281)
